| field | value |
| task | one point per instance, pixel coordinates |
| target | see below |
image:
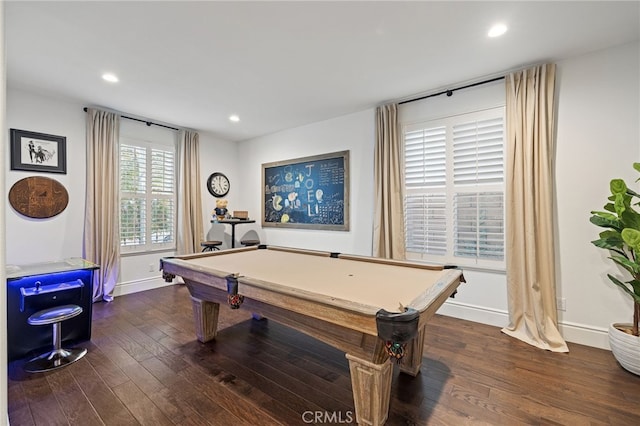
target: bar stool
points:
(249, 242)
(58, 357)
(210, 245)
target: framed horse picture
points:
(38, 152)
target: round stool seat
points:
(210, 245)
(250, 242)
(56, 314)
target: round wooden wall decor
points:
(38, 197)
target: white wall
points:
(598, 125)
(354, 132)
(140, 272)
(40, 240)
(217, 155)
(4, 413)
(482, 300)
(484, 297)
(598, 139)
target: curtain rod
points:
(449, 92)
(148, 123)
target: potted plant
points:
(621, 237)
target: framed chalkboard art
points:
(307, 193)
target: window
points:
(454, 189)
(147, 196)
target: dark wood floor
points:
(145, 366)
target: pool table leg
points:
(412, 360)
(205, 315)
(371, 385)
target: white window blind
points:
(425, 157)
(479, 225)
(478, 152)
(454, 189)
(425, 223)
(147, 196)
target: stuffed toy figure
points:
(221, 209)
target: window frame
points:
(450, 189)
(149, 196)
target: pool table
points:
(375, 310)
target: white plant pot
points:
(625, 348)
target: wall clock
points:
(218, 184)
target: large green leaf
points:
(635, 284)
(618, 186)
(627, 264)
(606, 220)
(619, 205)
(632, 238)
(633, 193)
(609, 239)
(625, 287)
(622, 235)
(605, 215)
(631, 219)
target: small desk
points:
(233, 223)
(38, 286)
(342, 300)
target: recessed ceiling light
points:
(234, 118)
(497, 30)
(111, 78)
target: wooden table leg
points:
(371, 385)
(205, 316)
(412, 360)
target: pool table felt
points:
(361, 285)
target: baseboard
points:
(571, 332)
(585, 335)
(481, 314)
(130, 287)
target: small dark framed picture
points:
(38, 152)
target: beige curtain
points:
(102, 208)
(530, 115)
(190, 228)
(388, 222)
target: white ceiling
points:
(285, 64)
